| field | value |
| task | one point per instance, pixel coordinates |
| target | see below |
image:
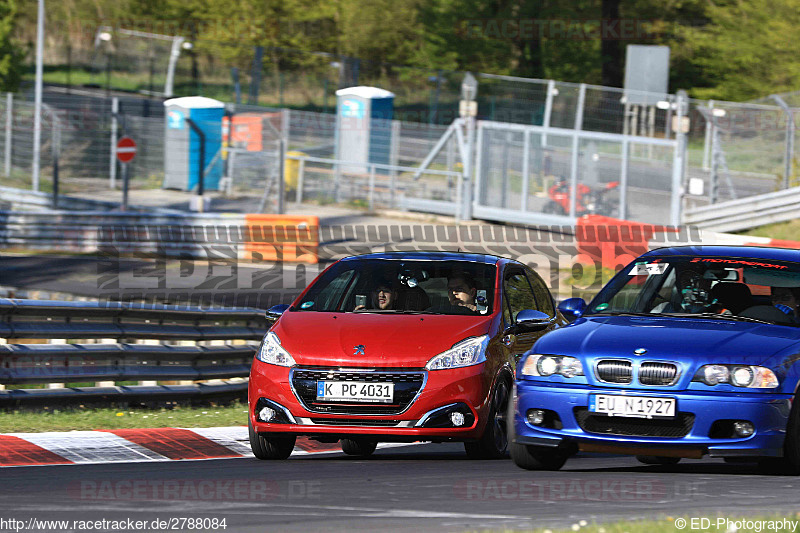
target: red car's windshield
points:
(403, 286)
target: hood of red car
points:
(330, 339)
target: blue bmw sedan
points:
(686, 352)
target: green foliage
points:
(725, 49)
(747, 49)
(11, 55)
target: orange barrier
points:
(282, 238)
(614, 243)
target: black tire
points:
(789, 464)
(532, 457)
(493, 444)
(658, 460)
(359, 447)
(272, 446)
(537, 457)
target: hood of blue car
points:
(691, 340)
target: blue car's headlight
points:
(751, 377)
(548, 365)
(273, 353)
(466, 353)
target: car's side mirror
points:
(275, 312)
(532, 320)
(572, 308)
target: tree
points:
(11, 55)
(747, 49)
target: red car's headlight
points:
(273, 353)
(465, 353)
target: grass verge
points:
(234, 414)
(780, 230)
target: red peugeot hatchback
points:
(398, 347)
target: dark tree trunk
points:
(611, 49)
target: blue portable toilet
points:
(182, 145)
(364, 126)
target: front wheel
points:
(359, 447)
(537, 457)
(272, 446)
(789, 464)
(493, 444)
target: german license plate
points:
(349, 391)
(632, 406)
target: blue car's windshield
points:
(759, 290)
(395, 286)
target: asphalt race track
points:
(414, 488)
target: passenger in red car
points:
(384, 297)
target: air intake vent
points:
(653, 373)
(615, 371)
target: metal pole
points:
(56, 148)
(468, 172)
(9, 132)
(371, 194)
(526, 157)
(201, 171)
(394, 147)
(37, 111)
(651, 128)
(284, 142)
(623, 181)
(112, 182)
(678, 161)
(709, 136)
(573, 197)
(301, 169)
(787, 158)
(548, 108)
(392, 186)
(174, 54)
(668, 121)
(715, 148)
(125, 185)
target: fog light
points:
(743, 429)
(266, 414)
(535, 417)
(457, 418)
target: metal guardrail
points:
(745, 213)
(169, 234)
(122, 360)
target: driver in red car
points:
(462, 289)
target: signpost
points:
(126, 151)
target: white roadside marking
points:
(90, 446)
(235, 438)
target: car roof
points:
(431, 256)
(752, 252)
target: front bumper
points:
(465, 387)
(768, 412)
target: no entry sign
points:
(126, 149)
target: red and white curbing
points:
(137, 445)
(614, 243)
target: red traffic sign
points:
(126, 149)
